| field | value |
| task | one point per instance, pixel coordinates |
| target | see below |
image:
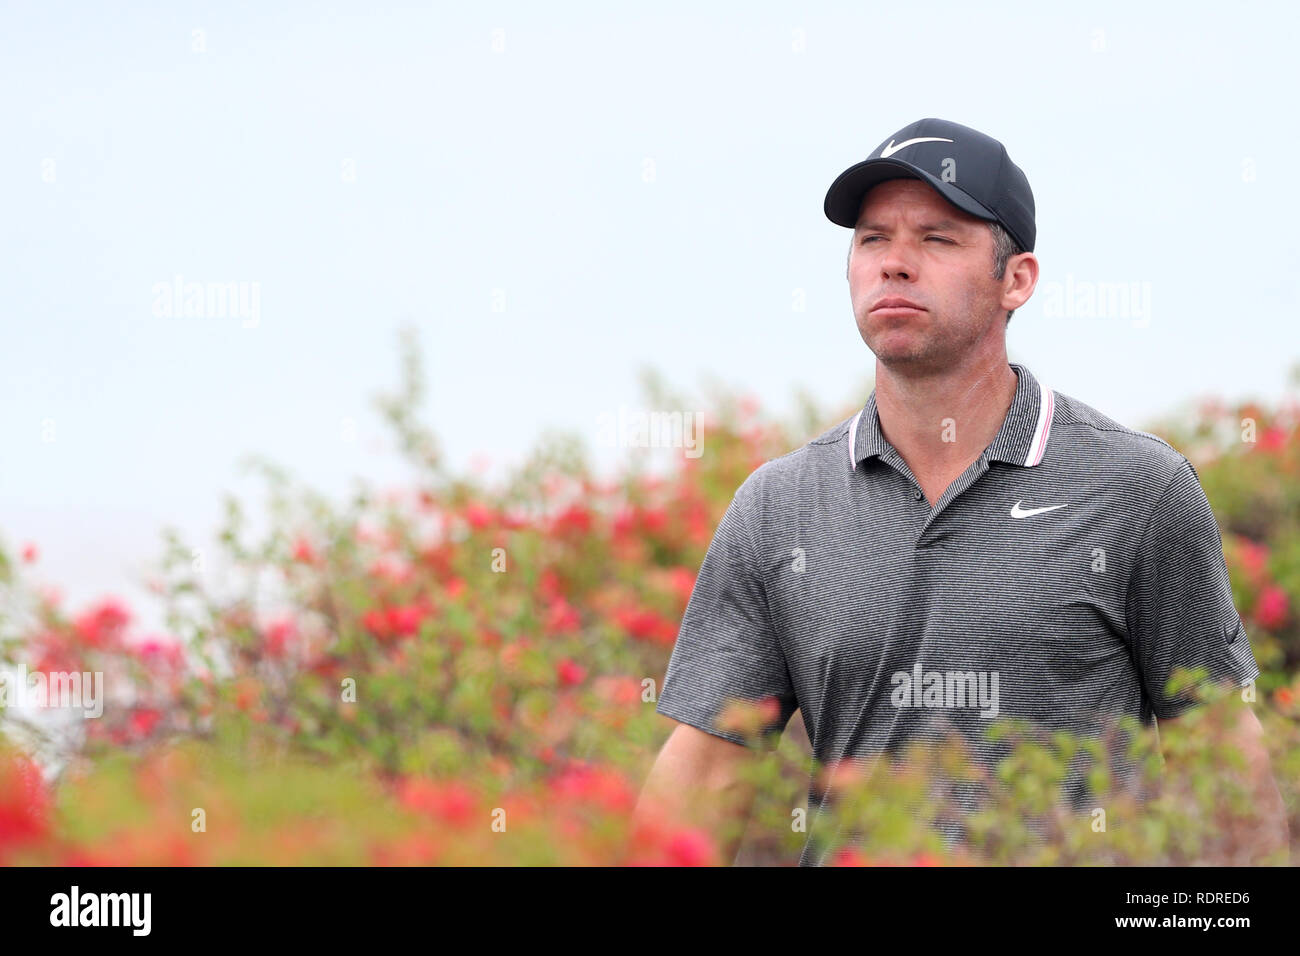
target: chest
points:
(1008, 575)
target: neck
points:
(941, 420)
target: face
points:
(912, 244)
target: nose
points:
(896, 263)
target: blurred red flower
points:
(574, 519)
(654, 519)
(549, 584)
(596, 785)
(849, 856)
(452, 802)
(24, 803)
(561, 617)
(691, 848)
(405, 620)
(1271, 439)
(646, 625)
(102, 625)
(1271, 610)
(682, 581)
(619, 690)
(376, 622)
(303, 551)
(395, 621)
(625, 522)
(479, 516)
(143, 720)
(570, 672)
(1254, 560)
(278, 635)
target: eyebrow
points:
(949, 225)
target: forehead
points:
(910, 197)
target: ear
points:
(1019, 281)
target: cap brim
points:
(844, 198)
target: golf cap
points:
(969, 169)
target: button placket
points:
(956, 490)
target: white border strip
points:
(1046, 409)
(853, 435)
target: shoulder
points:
(1083, 436)
(799, 472)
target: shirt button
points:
(919, 495)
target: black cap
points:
(969, 169)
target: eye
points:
(941, 239)
(866, 239)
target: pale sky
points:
(558, 197)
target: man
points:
(971, 545)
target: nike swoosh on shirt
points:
(891, 149)
(1018, 512)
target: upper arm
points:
(1180, 612)
(727, 648)
(705, 753)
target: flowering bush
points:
(1248, 460)
(457, 673)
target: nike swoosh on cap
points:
(891, 149)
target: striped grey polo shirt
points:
(1060, 579)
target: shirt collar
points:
(1022, 439)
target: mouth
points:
(896, 304)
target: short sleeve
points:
(727, 648)
(1179, 608)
